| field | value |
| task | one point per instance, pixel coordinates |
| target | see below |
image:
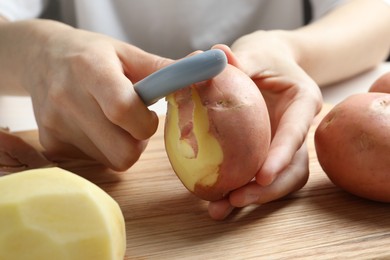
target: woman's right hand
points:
(81, 88)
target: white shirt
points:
(174, 28)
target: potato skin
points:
(353, 145)
(382, 84)
(238, 119)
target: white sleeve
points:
(321, 7)
(14, 10)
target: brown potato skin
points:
(239, 120)
(382, 84)
(353, 145)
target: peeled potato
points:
(54, 214)
(217, 134)
(353, 145)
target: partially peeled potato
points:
(217, 134)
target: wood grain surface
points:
(165, 221)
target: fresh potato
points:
(382, 84)
(353, 145)
(217, 134)
(54, 214)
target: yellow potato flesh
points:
(202, 169)
(54, 214)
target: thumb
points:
(137, 63)
(231, 57)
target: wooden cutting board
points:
(165, 221)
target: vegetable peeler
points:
(187, 71)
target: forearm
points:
(20, 44)
(349, 40)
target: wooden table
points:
(164, 221)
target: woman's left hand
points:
(293, 99)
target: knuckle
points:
(118, 110)
(91, 61)
(148, 129)
(80, 61)
(140, 124)
(129, 155)
(50, 144)
(161, 63)
(45, 141)
(48, 120)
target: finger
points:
(220, 209)
(120, 149)
(60, 134)
(124, 108)
(58, 147)
(291, 179)
(291, 131)
(138, 64)
(116, 97)
(58, 151)
(64, 137)
(84, 125)
(231, 57)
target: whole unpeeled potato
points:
(217, 134)
(382, 84)
(353, 145)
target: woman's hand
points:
(81, 85)
(293, 99)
